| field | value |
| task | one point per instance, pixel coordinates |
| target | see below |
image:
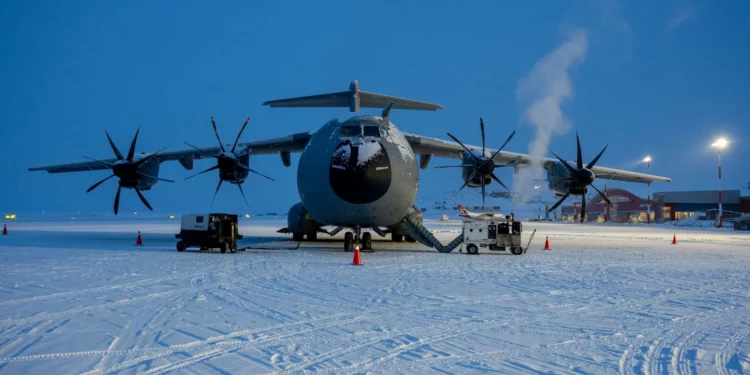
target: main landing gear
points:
(364, 239)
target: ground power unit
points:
(494, 236)
(209, 231)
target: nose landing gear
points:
(364, 239)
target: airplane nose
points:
(360, 172)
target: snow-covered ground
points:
(78, 297)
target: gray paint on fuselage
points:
(314, 179)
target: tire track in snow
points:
(207, 286)
(729, 349)
(130, 285)
(646, 359)
(60, 314)
(224, 348)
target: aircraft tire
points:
(180, 246)
(396, 237)
(348, 242)
(366, 241)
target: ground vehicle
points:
(209, 231)
(494, 235)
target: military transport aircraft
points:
(359, 173)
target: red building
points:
(626, 207)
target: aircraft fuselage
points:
(361, 171)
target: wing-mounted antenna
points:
(355, 99)
(387, 112)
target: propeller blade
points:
(609, 202)
(139, 162)
(499, 182)
(579, 162)
(462, 145)
(503, 146)
(570, 168)
(503, 165)
(131, 152)
(583, 208)
(217, 133)
(240, 133)
(237, 178)
(253, 171)
(559, 202)
(481, 126)
(484, 193)
(471, 177)
(114, 148)
(99, 183)
(143, 199)
(100, 162)
(455, 166)
(117, 198)
(593, 162)
(207, 170)
(202, 151)
(217, 190)
(153, 177)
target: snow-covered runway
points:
(78, 297)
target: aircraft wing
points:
(291, 143)
(447, 149)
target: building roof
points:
(702, 196)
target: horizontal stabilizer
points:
(354, 99)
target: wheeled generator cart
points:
(209, 231)
(495, 236)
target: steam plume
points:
(543, 91)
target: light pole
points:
(647, 159)
(720, 144)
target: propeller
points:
(482, 165)
(581, 178)
(228, 162)
(126, 170)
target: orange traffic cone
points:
(357, 261)
(674, 240)
(138, 241)
(546, 244)
(5, 230)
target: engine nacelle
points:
(466, 172)
(300, 222)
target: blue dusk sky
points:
(661, 78)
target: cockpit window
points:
(372, 131)
(350, 131)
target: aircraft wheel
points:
(312, 236)
(181, 246)
(297, 236)
(396, 237)
(410, 239)
(367, 241)
(516, 250)
(348, 242)
(472, 249)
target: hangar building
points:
(674, 205)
